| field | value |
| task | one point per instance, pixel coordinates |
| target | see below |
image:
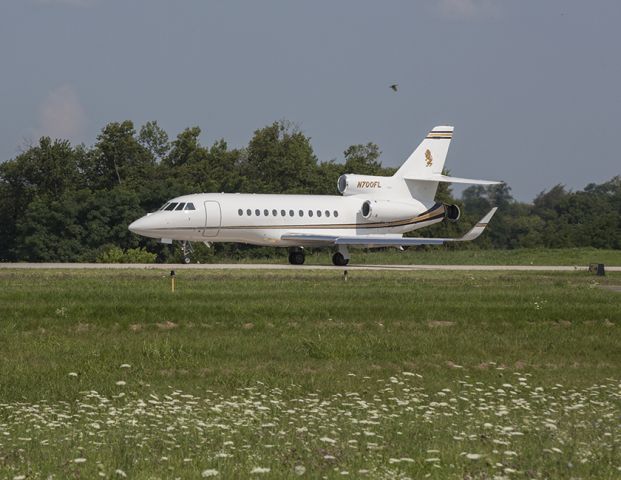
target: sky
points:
(532, 87)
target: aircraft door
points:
(213, 219)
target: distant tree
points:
(155, 140)
(118, 157)
(279, 158)
(186, 148)
(363, 159)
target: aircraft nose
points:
(137, 226)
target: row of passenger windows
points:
(177, 206)
(283, 213)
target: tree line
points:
(63, 202)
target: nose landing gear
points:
(296, 256)
(187, 249)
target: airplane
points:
(372, 211)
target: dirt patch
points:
(440, 323)
(167, 325)
(612, 288)
(136, 327)
(83, 327)
(248, 326)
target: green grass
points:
(388, 374)
(447, 256)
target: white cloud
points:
(461, 9)
(61, 115)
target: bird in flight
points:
(394, 86)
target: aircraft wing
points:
(388, 240)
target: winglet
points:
(477, 230)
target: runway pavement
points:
(279, 266)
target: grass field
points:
(447, 256)
(280, 374)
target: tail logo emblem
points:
(428, 158)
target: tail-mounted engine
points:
(357, 184)
(451, 212)
(387, 210)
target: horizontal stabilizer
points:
(438, 177)
(387, 240)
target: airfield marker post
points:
(172, 280)
(345, 275)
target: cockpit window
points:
(180, 206)
(189, 206)
(163, 206)
(171, 206)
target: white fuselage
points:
(263, 219)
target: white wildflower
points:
(125, 365)
(79, 460)
(120, 383)
(260, 470)
(327, 440)
(473, 456)
(73, 374)
(120, 473)
(299, 469)
(210, 472)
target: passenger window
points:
(327, 213)
(336, 214)
(275, 212)
(180, 206)
(257, 212)
(249, 212)
(266, 213)
(291, 213)
(240, 212)
(189, 206)
(319, 213)
(310, 213)
(282, 212)
(301, 212)
(171, 206)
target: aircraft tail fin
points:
(426, 161)
(429, 156)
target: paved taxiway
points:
(278, 266)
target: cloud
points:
(61, 115)
(465, 9)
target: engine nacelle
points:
(451, 212)
(356, 184)
(387, 210)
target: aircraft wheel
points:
(296, 258)
(339, 259)
(186, 260)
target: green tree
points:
(279, 158)
(155, 140)
(117, 158)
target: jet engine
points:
(387, 211)
(357, 184)
(451, 212)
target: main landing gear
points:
(341, 258)
(296, 256)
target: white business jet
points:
(371, 212)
